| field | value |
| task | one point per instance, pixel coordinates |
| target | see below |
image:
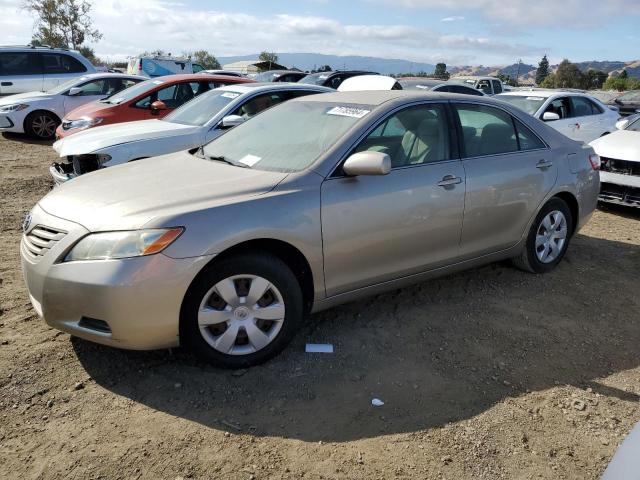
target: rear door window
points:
(583, 107)
(19, 63)
(486, 130)
(55, 63)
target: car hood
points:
(98, 138)
(91, 109)
(621, 145)
(24, 97)
(131, 195)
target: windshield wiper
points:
(220, 158)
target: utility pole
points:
(518, 72)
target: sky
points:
(471, 32)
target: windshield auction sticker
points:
(348, 112)
(250, 160)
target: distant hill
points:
(528, 72)
(310, 61)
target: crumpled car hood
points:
(98, 138)
(621, 145)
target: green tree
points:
(441, 71)
(270, 57)
(596, 78)
(568, 75)
(206, 59)
(621, 84)
(623, 74)
(549, 81)
(90, 54)
(543, 70)
(62, 23)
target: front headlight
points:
(134, 243)
(16, 107)
(84, 122)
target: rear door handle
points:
(542, 164)
(6, 84)
(449, 180)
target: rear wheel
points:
(548, 238)
(241, 311)
(41, 125)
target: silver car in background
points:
(312, 203)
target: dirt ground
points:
(492, 373)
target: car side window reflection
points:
(560, 106)
(413, 136)
(258, 104)
(486, 130)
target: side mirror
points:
(622, 124)
(231, 121)
(550, 116)
(157, 106)
(367, 163)
(75, 91)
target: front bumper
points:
(131, 303)
(60, 177)
(8, 124)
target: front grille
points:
(610, 192)
(623, 167)
(40, 240)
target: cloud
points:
(570, 14)
(452, 19)
(133, 27)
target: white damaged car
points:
(620, 163)
(192, 125)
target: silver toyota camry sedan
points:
(315, 202)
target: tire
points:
(237, 275)
(41, 125)
(530, 258)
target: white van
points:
(158, 66)
(32, 69)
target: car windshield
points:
(530, 104)
(633, 96)
(58, 89)
(132, 92)
(315, 78)
(266, 76)
(286, 138)
(634, 126)
(201, 109)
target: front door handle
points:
(6, 84)
(542, 164)
(449, 180)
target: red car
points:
(153, 98)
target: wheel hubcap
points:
(241, 314)
(43, 126)
(551, 236)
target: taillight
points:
(594, 160)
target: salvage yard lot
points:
(491, 373)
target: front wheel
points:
(548, 238)
(41, 125)
(241, 311)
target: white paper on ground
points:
(319, 348)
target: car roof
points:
(110, 75)
(542, 93)
(379, 97)
(272, 86)
(181, 77)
